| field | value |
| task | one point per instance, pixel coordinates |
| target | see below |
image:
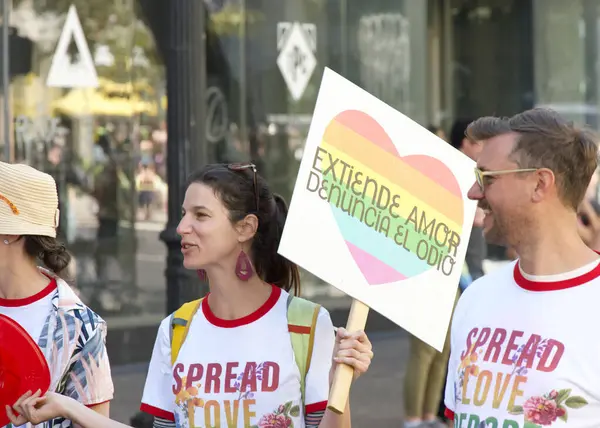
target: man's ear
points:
(247, 228)
(544, 185)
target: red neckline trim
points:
(14, 303)
(254, 316)
(529, 285)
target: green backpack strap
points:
(302, 320)
(180, 325)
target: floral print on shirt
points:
(73, 340)
(545, 410)
(280, 418)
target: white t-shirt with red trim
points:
(238, 373)
(525, 351)
(30, 312)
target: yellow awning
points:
(80, 102)
(89, 101)
(108, 86)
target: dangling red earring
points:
(243, 267)
(202, 274)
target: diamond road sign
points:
(296, 60)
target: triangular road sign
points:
(64, 73)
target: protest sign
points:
(380, 211)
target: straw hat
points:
(28, 201)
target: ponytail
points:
(275, 268)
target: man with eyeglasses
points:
(525, 350)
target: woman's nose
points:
(183, 227)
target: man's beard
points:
(494, 229)
(495, 234)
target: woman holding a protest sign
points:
(249, 354)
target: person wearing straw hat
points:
(70, 335)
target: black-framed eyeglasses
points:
(242, 167)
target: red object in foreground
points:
(23, 366)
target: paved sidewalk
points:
(376, 399)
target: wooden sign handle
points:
(342, 379)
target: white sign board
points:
(65, 73)
(380, 209)
(297, 44)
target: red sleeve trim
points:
(449, 414)
(97, 404)
(156, 412)
(316, 407)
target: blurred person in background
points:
(477, 248)
(438, 131)
(106, 189)
(588, 219)
(426, 367)
(426, 370)
(146, 183)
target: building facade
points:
(102, 117)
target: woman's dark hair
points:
(235, 189)
(49, 250)
(459, 132)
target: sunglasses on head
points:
(243, 166)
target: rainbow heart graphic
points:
(423, 188)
